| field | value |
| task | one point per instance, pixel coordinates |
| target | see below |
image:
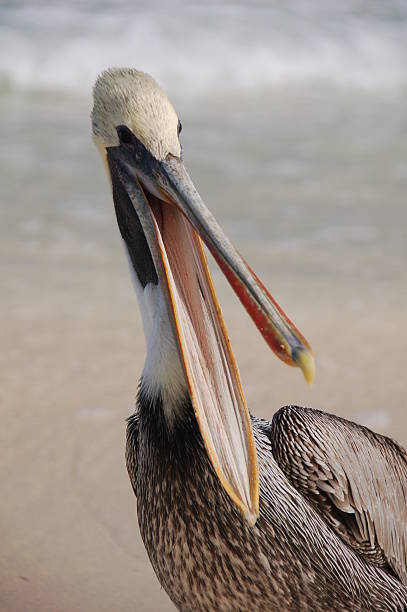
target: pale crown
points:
(125, 96)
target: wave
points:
(212, 48)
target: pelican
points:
(304, 513)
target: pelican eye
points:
(179, 127)
(125, 135)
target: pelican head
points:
(130, 98)
(162, 220)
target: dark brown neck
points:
(175, 436)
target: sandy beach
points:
(304, 165)
(70, 539)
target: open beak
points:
(174, 220)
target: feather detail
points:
(356, 479)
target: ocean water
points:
(205, 48)
(294, 117)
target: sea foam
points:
(211, 48)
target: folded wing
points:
(356, 479)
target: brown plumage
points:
(295, 559)
(356, 479)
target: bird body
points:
(308, 512)
(205, 554)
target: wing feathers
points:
(355, 478)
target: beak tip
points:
(304, 359)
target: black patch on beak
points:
(131, 229)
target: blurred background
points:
(295, 133)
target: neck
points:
(167, 434)
(163, 375)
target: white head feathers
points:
(125, 96)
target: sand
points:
(69, 534)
